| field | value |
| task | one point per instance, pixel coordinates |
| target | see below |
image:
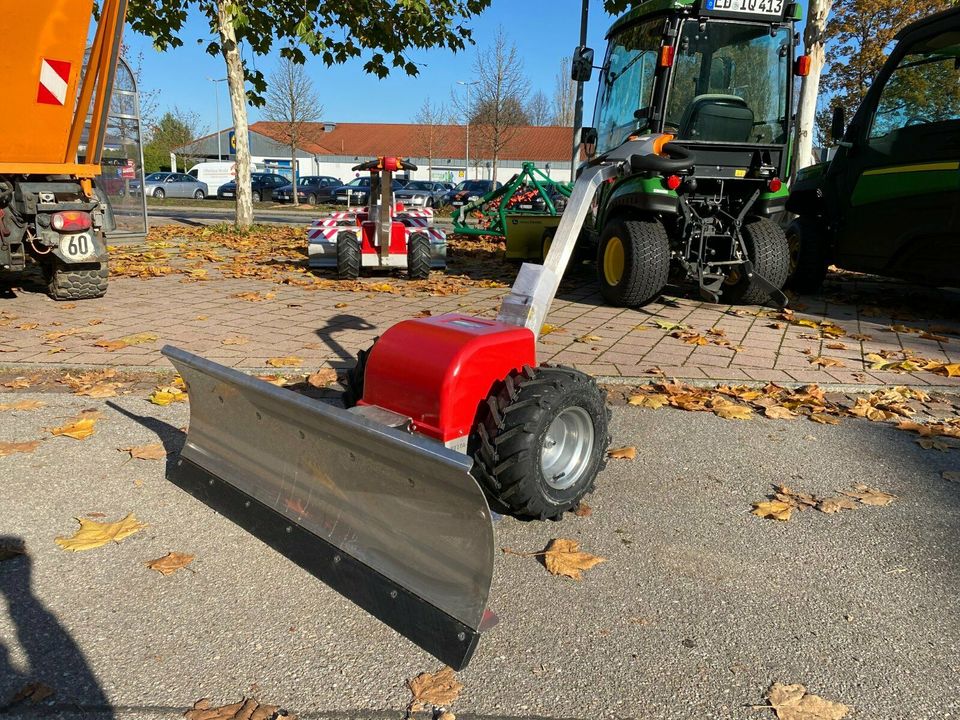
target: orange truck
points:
(53, 129)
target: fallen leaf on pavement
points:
(246, 709)
(10, 548)
(278, 380)
(18, 383)
(774, 509)
(831, 505)
(588, 339)
(779, 412)
(235, 340)
(825, 419)
(826, 362)
(322, 377)
(793, 702)
(22, 405)
(583, 510)
(288, 361)
(668, 325)
(170, 563)
(81, 428)
(930, 443)
(564, 557)
(623, 453)
(836, 346)
(654, 401)
(167, 395)
(438, 689)
(153, 451)
(951, 370)
(869, 496)
(35, 692)
(138, 339)
(9, 448)
(93, 534)
(255, 296)
(729, 411)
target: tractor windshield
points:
(729, 83)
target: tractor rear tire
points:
(809, 255)
(540, 440)
(353, 384)
(633, 261)
(768, 250)
(418, 256)
(348, 256)
(76, 282)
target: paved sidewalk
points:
(843, 336)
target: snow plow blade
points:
(392, 521)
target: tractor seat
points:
(719, 118)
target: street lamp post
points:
(466, 169)
(216, 98)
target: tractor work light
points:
(70, 221)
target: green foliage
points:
(335, 30)
(169, 132)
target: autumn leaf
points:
(931, 443)
(547, 328)
(170, 563)
(826, 362)
(437, 689)
(322, 377)
(19, 383)
(793, 702)
(21, 405)
(588, 339)
(340, 305)
(564, 557)
(93, 534)
(35, 692)
(779, 412)
(288, 361)
(729, 411)
(278, 380)
(166, 395)
(936, 338)
(774, 509)
(153, 451)
(138, 339)
(869, 496)
(860, 337)
(836, 346)
(9, 448)
(235, 340)
(668, 325)
(27, 326)
(81, 428)
(246, 709)
(831, 505)
(951, 370)
(654, 401)
(825, 419)
(583, 510)
(623, 453)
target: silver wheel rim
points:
(567, 448)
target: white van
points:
(214, 174)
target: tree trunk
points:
(496, 156)
(293, 168)
(238, 106)
(813, 41)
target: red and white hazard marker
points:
(54, 78)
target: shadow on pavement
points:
(53, 659)
(171, 437)
(337, 324)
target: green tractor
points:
(717, 76)
(887, 203)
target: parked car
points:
(170, 184)
(468, 191)
(420, 193)
(357, 191)
(264, 185)
(311, 189)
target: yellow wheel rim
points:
(614, 260)
(547, 242)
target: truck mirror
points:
(581, 69)
(837, 124)
(588, 138)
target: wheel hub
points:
(567, 448)
(614, 260)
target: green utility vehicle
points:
(889, 200)
(718, 76)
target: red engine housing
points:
(398, 237)
(439, 370)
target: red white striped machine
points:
(381, 235)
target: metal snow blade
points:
(393, 522)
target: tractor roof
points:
(941, 20)
(648, 7)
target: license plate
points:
(227, 194)
(78, 247)
(745, 7)
(458, 203)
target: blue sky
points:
(543, 30)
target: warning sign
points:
(54, 78)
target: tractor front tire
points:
(809, 255)
(348, 256)
(767, 249)
(540, 440)
(76, 282)
(418, 256)
(633, 261)
(353, 384)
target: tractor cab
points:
(715, 79)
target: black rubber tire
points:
(511, 426)
(767, 249)
(311, 199)
(159, 194)
(348, 256)
(809, 254)
(353, 383)
(199, 195)
(429, 202)
(256, 196)
(646, 261)
(76, 282)
(418, 256)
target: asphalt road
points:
(698, 609)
